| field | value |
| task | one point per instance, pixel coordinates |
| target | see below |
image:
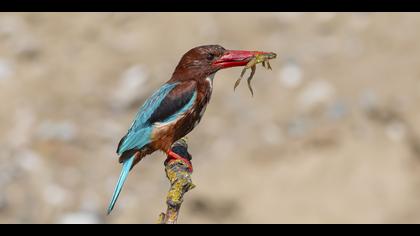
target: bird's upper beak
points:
(234, 58)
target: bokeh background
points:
(331, 135)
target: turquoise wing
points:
(141, 129)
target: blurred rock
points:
(368, 100)
(29, 160)
(11, 25)
(9, 170)
(22, 42)
(91, 201)
(55, 195)
(132, 86)
(298, 128)
(396, 131)
(316, 93)
(20, 134)
(57, 130)
(6, 69)
(291, 75)
(80, 218)
(27, 48)
(271, 134)
(337, 110)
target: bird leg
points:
(173, 156)
(178, 171)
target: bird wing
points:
(177, 102)
(164, 106)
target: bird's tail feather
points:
(127, 164)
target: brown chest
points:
(193, 117)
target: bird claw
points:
(172, 156)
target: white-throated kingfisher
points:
(176, 107)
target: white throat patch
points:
(210, 80)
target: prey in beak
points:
(249, 59)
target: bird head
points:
(202, 61)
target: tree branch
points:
(179, 175)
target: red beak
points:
(234, 58)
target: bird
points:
(175, 108)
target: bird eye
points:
(210, 56)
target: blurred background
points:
(331, 135)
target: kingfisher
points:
(176, 108)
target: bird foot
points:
(172, 156)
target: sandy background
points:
(331, 136)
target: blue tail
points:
(124, 173)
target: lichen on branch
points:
(179, 176)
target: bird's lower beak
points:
(234, 58)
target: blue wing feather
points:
(140, 131)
